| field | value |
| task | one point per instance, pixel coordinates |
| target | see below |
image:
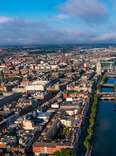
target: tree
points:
(65, 152)
(115, 87)
(90, 130)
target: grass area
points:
(12, 79)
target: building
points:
(108, 64)
(37, 86)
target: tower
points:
(99, 70)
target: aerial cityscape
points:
(57, 78)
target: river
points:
(111, 81)
(105, 129)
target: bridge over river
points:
(111, 74)
(107, 85)
(107, 93)
(104, 139)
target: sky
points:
(57, 21)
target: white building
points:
(36, 86)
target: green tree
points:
(90, 130)
(65, 152)
(115, 87)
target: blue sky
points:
(57, 21)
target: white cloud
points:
(62, 16)
(24, 31)
(87, 10)
(107, 37)
(5, 19)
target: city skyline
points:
(57, 21)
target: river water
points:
(105, 130)
(111, 81)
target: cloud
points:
(62, 16)
(107, 37)
(23, 31)
(5, 19)
(86, 10)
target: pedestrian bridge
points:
(107, 93)
(107, 98)
(107, 85)
(111, 75)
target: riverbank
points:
(92, 118)
(104, 138)
(89, 130)
(88, 142)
